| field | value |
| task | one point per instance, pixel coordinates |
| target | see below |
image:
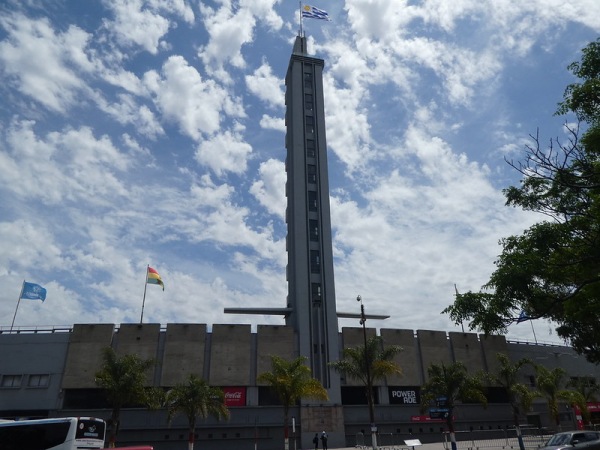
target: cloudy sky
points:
(152, 132)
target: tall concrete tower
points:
(311, 289)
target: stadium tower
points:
(311, 290)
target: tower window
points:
(311, 173)
(310, 148)
(313, 226)
(308, 80)
(312, 201)
(315, 261)
(308, 102)
(316, 292)
(310, 124)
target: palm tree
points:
(452, 383)
(550, 384)
(520, 397)
(584, 390)
(195, 399)
(123, 379)
(367, 363)
(292, 381)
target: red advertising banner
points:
(592, 407)
(424, 419)
(235, 396)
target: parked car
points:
(580, 439)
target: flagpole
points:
(17, 308)
(534, 337)
(145, 287)
(300, 15)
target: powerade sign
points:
(405, 395)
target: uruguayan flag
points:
(310, 12)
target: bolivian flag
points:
(154, 277)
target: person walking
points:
(316, 441)
(324, 440)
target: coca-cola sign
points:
(235, 396)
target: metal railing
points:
(533, 438)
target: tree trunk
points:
(191, 439)
(518, 430)
(285, 429)
(371, 404)
(114, 427)
(450, 423)
(520, 437)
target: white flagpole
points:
(17, 308)
(300, 14)
(534, 336)
(144, 300)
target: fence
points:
(533, 438)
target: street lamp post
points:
(363, 320)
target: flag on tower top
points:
(311, 12)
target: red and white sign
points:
(424, 419)
(592, 407)
(235, 396)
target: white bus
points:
(61, 433)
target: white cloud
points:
(194, 103)
(42, 63)
(224, 152)
(347, 125)
(264, 11)
(140, 23)
(128, 111)
(272, 123)
(269, 190)
(70, 165)
(31, 246)
(266, 86)
(228, 31)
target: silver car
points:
(581, 439)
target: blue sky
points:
(152, 132)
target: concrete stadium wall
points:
(233, 355)
(84, 354)
(183, 353)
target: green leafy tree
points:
(195, 399)
(552, 270)
(368, 363)
(453, 384)
(124, 382)
(292, 381)
(520, 397)
(550, 383)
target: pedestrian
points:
(324, 440)
(316, 441)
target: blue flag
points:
(523, 316)
(32, 291)
(310, 12)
